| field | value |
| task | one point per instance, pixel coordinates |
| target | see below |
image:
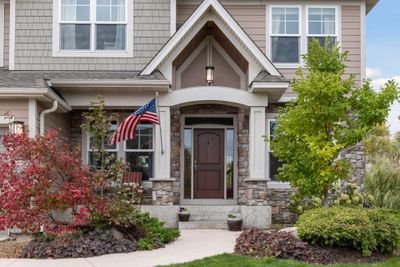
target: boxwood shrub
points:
(364, 229)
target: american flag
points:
(127, 129)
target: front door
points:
(208, 163)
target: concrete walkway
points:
(192, 245)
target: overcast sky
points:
(383, 49)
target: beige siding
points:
(351, 38)
(250, 17)
(60, 122)
(18, 108)
(6, 33)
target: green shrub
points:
(364, 229)
(154, 230)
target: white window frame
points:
(273, 184)
(337, 21)
(303, 29)
(299, 35)
(128, 52)
(88, 149)
(126, 150)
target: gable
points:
(211, 11)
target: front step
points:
(208, 216)
(190, 225)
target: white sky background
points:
(377, 81)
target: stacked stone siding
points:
(163, 193)
(253, 193)
(279, 200)
(356, 156)
(33, 38)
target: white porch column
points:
(32, 117)
(256, 143)
(162, 155)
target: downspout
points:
(44, 112)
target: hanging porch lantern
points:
(16, 127)
(210, 75)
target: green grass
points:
(230, 260)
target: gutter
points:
(43, 114)
(44, 93)
(110, 82)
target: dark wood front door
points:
(208, 163)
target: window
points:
(139, 152)
(3, 131)
(285, 34)
(273, 163)
(93, 27)
(111, 149)
(322, 23)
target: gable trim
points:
(195, 17)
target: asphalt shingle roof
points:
(36, 79)
(264, 76)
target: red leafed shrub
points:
(42, 177)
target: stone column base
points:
(253, 193)
(163, 192)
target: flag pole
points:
(159, 120)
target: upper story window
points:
(322, 23)
(285, 34)
(93, 28)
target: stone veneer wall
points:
(356, 156)
(279, 200)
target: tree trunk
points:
(326, 198)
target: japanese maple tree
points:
(40, 178)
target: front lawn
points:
(230, 260)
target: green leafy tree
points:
(330, 114)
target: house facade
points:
(220, 68)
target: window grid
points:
(93, 22)
(323, 11)
(147, 171)
(276, 35)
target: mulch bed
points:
(282, 245)
(11, 249)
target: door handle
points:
(195, 166)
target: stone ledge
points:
(255, 180)
(162, 179)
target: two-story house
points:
(220, 67)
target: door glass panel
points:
(230, 153)
(187, 135)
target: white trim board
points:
(186, 28)
(11, 53)
(2, 25)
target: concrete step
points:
(208, 216)
(203, 225)
(212, 209)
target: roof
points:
(36, 79)
(264, 76)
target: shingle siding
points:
(33, 38)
